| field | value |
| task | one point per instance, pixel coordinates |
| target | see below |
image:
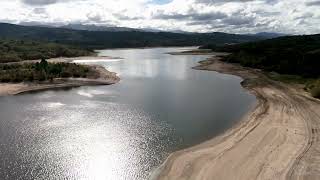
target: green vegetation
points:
(296, 56)
(19, 43)
(290, 79)
(314, 88)
(311, 85)
(18, 50)
(104, 39)
(43, 71)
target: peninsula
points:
(36, 75)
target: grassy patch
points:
(310, 84)
(291, 79)
(315, 92)
(314, 88)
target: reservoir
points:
(121, 131)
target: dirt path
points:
(278, 139)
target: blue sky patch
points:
(161, 1)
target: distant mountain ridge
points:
(89, 27)
(126, 38)
(97, 28)
(269, 35)
(92, 27)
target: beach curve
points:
(278, 139)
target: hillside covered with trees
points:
(299, 55)
(18, 50)
(43, 71)
(125, 39)
(291, 55)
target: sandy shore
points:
(278, 139)
(69, 60)
(198, 52)
(105, 77)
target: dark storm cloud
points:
(238, 20)
(212, 20)
(45, 2)
(266, 14)
(125, 17)
(229, 21)
(175, 16)
(313, 3)
(39, 2)
(305, 15)
(191, 16)
(39, 10)
(94, 17)
(208, 16)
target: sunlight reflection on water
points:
(118, 132)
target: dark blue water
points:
(122, 131)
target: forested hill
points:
(299, 55)
(102, 39)
(19, 50)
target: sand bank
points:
(278, 139)
(105, 77)
(199, 52)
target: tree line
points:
(124, 39)
(18, 50)
(293, 55)
(43, 71)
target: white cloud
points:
(233, 16)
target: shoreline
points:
(67, 59)
(105, 78)
(275, 140)
(198, 52)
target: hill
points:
(268, 35)
(98, 28)
(123, 39)
(298, 55)
(296, 58)
(18, 50)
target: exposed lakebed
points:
(121, 131)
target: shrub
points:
(315, 91)
(66, 74)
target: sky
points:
(230, 16)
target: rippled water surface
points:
(122, 131)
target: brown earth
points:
(278, 139)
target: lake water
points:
(122, 131)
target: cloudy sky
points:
(232, 16)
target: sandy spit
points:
(278, 139)
(105, 78)
(68, 60)
(198, 52)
